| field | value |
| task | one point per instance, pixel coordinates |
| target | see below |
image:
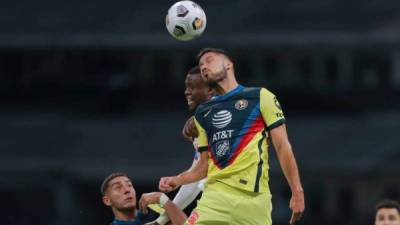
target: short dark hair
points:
(106, 181)
(388, 204)
(216, 50)
(194, 70)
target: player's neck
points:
(226, 85)
(124, 216)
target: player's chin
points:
(127, 207)
(192, 106)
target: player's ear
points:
(106, 200)
(228, 64)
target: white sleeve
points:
(186, 194)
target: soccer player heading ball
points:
(233, 131)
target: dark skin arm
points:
(189, 131)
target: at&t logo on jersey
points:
(220, 135)
(222, 119)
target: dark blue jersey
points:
(140, 219)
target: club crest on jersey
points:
(222, 148)
(241, 104)
(222, 119)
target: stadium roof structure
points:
(93, 23)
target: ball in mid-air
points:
(185, 20)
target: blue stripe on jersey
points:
(246, 126)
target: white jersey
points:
(188, 192)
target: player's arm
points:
(189, 131)
(186, 194)
(177, 216)
(289, 166)
(273, 116)
(198, 172)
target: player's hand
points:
(168, 184)
(189, 131)
(147, 199)
(297, 206)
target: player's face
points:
(121, 194)
(212, 66)
(196, 91)
(387, 216)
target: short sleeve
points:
(271, 110)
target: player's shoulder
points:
(251, 91)
(203, 108)
(254, 92)
(266, 92)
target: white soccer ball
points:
(185, 20)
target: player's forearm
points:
(289, 167)
(176, 215)
(197, 173)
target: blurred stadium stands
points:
(88, 88)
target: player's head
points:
(118, 192)
(196, 89)
(215, 64)
(387, 213)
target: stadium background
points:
(91, 87)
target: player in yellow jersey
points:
(233, 131)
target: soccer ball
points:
(185, 20)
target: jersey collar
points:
(236, 90)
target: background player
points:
(196, 92)
(233, 128)
(387, 213)
(119, 194)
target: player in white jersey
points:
(197, 91)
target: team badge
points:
(241, 104)
(222, 148)
(193, 218)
